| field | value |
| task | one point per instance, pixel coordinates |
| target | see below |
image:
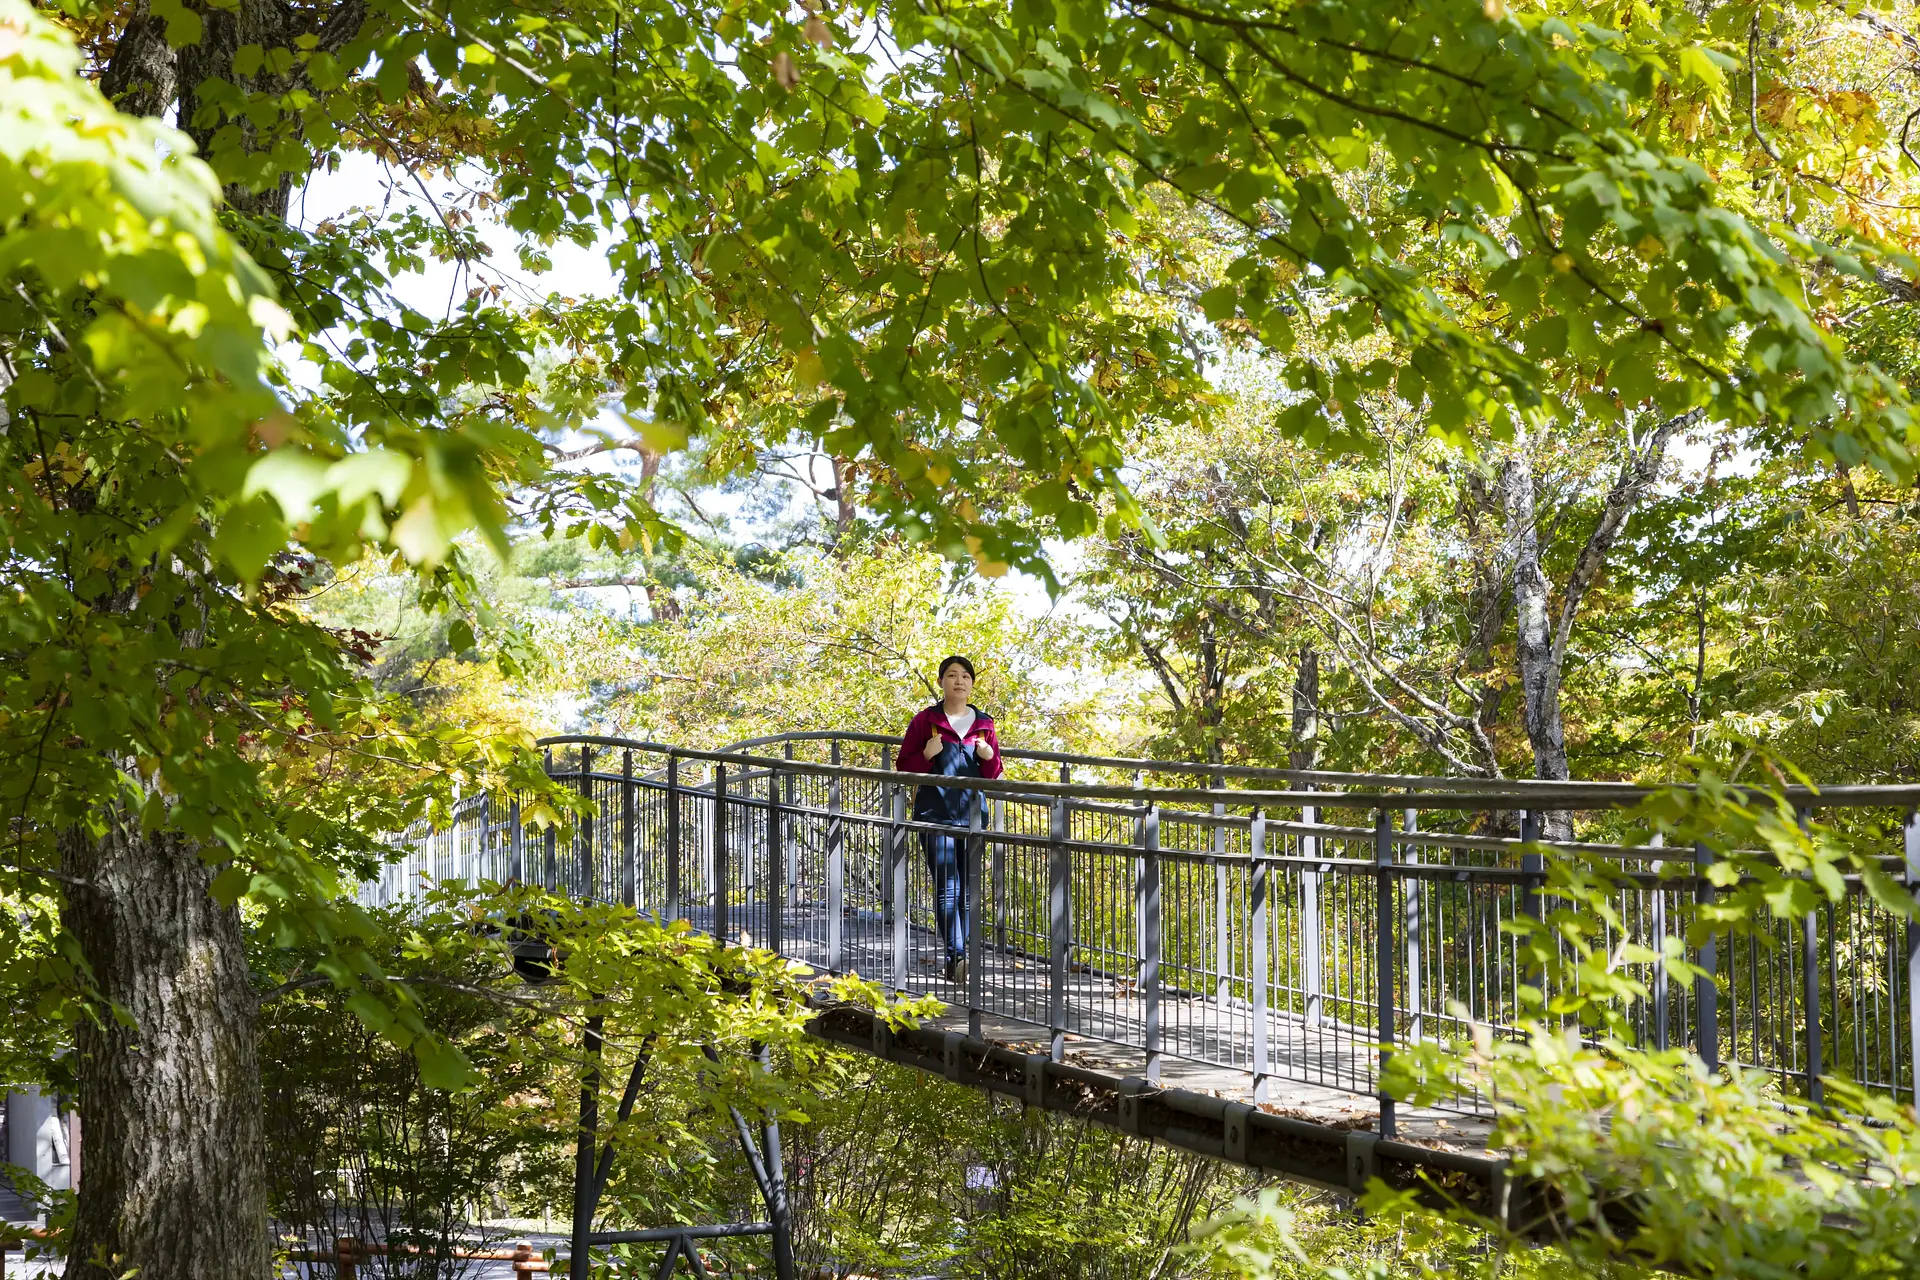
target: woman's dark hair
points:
(956, 659)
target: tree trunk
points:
(1306, 710)
(1542, 638)
(1533, 623)
(1211, 704)
(844, 510)
(175, 1185)
(168, 1076)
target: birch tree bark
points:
(1542, 635)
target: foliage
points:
(974, 257)
(361, 1137)
(358, 1143)
(903, 1173)
(805, 641)
(1640, 1159)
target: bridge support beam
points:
(594, 1165)
(1224, 1129)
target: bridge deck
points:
(1193, 1048)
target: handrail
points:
(1146, 765)
(1386, 790)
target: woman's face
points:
(956, 683)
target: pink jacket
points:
(933, 720)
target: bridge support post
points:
(836, 867)
(1706, 992)
(898, 914)
(1260, 891)
(1059, 923)
(629, 878)
(971, 916)
(718, 863)
(586, 1152)
(1149, 898)
(672, 906)
(1913, 957)
(1384, 948)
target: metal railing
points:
(1300, 934)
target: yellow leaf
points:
(808, 371)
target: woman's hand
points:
(983, 749)
(933, 746)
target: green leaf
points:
(442, 1065)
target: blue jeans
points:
(947, 865)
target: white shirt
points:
(961, 722)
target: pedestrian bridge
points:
(1213, 956)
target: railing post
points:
(1222, 942)
(483, 847)
(1662, 1002)
(1810, 967)
(1913, 956)
(1383, 917)
(776, 880)
(971, 914)
(1413, 923)
(1149, 897)
(719, 859)
(550, 879)
(791, 784)
(998, 853)
(1706, 992)
(583, 835)
(629, 870)
(836, 867)
(672, 909)
(899, 915)
(516, 843)
(1533, 865)
(1059, 923)
(1313, 946)
(1262, 875)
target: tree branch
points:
(1638, 471)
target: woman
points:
(952, 739)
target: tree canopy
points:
(1381, 361)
